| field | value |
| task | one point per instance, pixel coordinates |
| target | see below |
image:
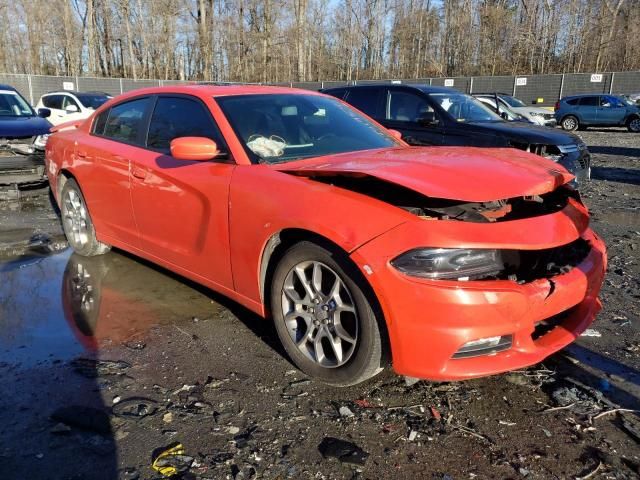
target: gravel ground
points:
(146, 359)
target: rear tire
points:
(633, 124)
(570, 123)
(324, 320)
(76, 222)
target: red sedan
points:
(451, 263)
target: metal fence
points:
(544, 90)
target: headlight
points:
(41, 141)
(450, 263)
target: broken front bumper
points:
(430, 320)
(17, 169)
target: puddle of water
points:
(60, 306)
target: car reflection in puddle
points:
(56, 307)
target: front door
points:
(181, 207)
(412, 115)
(611, 111)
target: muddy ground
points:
(105, 360)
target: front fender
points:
(264, 202)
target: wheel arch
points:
(281, 241)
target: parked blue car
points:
(582, 111)
(23, 136)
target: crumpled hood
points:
(455, 173)
(11, 127)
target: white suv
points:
(67, 106)
(540, 116)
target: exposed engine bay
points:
(443, 209)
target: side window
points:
(175, 117)
(67, 100)
(407, 107)
(589, 102)
(367, 100)
(53, 101)
(100, 122)
(573, 101)
(125, 120)
(606, 101)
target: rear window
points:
(100, 122)
(125, 121)
(53, 101)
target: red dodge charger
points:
(450, 263)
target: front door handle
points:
(138, 173)
(81, 154)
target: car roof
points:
(411, 86)
(75, 92)
(586, 95)
(4, 86)
(215, 90)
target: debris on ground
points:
(591, 332)
(171, 460)
(344, 451)
(135, 407)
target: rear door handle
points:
(81, 154)
(138, 173)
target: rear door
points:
(181, 207)
(117, 136)
(611, 111)
(412, 115)
(588, 110)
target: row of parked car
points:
(424, 115)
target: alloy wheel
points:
(634, 125)
(569, 124)
(320, 314)
(75, 219)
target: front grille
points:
(584, 161)
(549, 116)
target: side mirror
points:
(71, 109)
(504, 115)
(44, 112)
(194, 148)
(395, 133)
(427, 119)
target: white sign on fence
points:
(448, 82)
(596, 77)
(521, 82)
(67, 85)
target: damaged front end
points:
(574, 157)
(22, 161)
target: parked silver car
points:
(537, 115)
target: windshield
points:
(92, 100)
(513, 101)
(13, 105)
(464, 108)
(277, 128)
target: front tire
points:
(633, 124)
(323, 317)
(570, 123)
(76, 222)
